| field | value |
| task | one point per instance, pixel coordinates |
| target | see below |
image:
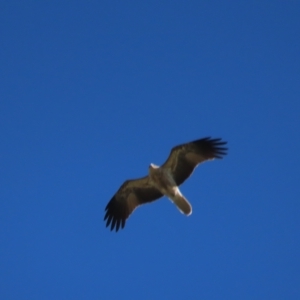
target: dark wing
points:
(130, 195)
(184, 158)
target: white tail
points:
(182, 203)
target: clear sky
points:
(92, 92)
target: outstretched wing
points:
(130, 195)
(184, 158)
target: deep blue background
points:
(92, 92)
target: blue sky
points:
(92, 92)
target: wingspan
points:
(184, 158)
(130, 195)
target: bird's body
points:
(162, 181)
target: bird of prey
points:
(163, 181)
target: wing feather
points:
(130, 195)
(184, 158)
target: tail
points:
(182, 203)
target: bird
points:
(163, 181)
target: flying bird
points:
(163, 181)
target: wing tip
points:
(214, 147)
(114, 217)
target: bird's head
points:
(152, 167)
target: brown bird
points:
(163, 181)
